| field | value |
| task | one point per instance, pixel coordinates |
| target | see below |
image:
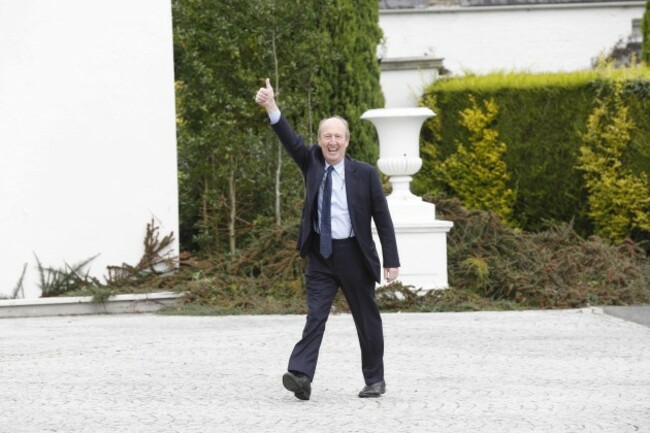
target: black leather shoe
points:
(374, 390)
(297, 383)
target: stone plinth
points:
(421, 238)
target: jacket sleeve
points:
(384, 223)
(292, 142)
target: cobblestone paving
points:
(533, 371)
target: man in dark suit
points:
(342, 196)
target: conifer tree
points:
(619, 200)
(645, 31)
(348, 83)
(321, 58)
(476, 173)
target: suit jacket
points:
(365, 196)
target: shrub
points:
(542, 118)
(490, 265)
(645, 30)
(619, 200)
(476, 173)
(554, 268)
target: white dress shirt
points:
(340, 215)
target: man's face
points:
(333, 140)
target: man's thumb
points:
(268, 83)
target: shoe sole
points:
(370, 395)
(293, 386)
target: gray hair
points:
(345, 124)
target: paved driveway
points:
(533, 371)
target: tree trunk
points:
(233, 212)
(278, 169)
(278, 193)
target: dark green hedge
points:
(541, 117)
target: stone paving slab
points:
(532, 371)
(634, 313)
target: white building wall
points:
(87, 133)
(536, 38)
(403, 88)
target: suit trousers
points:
(347, 269)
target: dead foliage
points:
(264, 276)
(156, 260)
(490, 266)
(555, 268)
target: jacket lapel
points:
(315, 180)
(351, 186)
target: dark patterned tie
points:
(325, 217)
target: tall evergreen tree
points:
(321, 58)
(349, 79)
(221, 159)
(645, 30)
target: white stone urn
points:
(421, 239)
(399, 145)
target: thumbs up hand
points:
(266, 97)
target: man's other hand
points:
(391, 274)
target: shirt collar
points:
(339, 168)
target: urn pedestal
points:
(421, 238)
